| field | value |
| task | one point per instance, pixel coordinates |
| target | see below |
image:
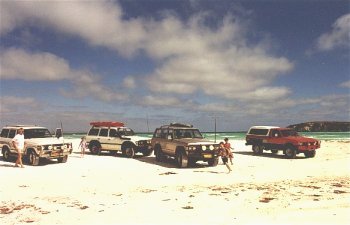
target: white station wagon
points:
(39, 144)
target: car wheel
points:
(63, 159)
(290, 152)
(95, 148)
(257, 149)
(6, 154)
(310, 154)
(181, 159)
(147, 152)
(274, 151)
(33, 159)
(159, 154)
(129, 152)
(213, 162)
(192, 162)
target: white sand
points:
(115, 190)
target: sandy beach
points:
(267, 189)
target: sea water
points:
(219, 136)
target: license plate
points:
(207, 156)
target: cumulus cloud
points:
(190, 55)
(43, 66)
(10, 104)
(345, 84)
(339, 36)
(19, 64)
(129, 82)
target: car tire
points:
(310, 154)
(290, 152)
(62, 159)
(33, 159)
(129, 152)
(6, 154)
(147, 152)
(159, 154)
(181, 159)
(213, 162)
(95, 148)
(257, 149)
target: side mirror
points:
(170, 137)
(58, 133)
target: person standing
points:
(82, 146)
(227, 145)
(224, 156)
(18, 143)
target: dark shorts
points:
(224, 159)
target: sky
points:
(152, 62)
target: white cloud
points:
(129, 82)
(345, 84)
(19, 64)
(10, 104)
(191, 56)
(24, 65)
(339, 36)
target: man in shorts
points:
(18, 143)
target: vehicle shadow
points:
(268, 155)
(42, 162)
(167, 162)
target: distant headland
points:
(321, 126)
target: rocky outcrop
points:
(321, 126)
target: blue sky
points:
(242, 62)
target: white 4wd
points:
(115, 137)
(39, 144)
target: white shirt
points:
(19, 141)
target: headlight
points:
(204, 147)
(64, 146)
(300, 143)
(191, 148)
(148, 141)
(49, 147)
(211, 147)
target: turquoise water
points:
(241, 135)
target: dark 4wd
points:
(185, 143)
(275, 138)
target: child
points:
(82, 146)
(227, 145)
(224, 153)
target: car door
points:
(114, 140)
(170, 143)
(103, 138)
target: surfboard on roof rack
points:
(107, 124)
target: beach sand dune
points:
(267, 189)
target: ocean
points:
(334, 136)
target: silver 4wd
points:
(185, 143)
(39, 144)
(115, 137)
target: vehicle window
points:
(4, 133)
(286, 133)
(104, 132)
(164, 133)
(125, 132)
(157, 133)
(258, 131)
(113, 133)
(36, 133)
(93, 131)
(187, 133)
(170, 132)
(12, 133)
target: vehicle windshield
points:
(37, 133)
(286, 133)
(187, 133)
(125, 132)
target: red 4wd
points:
(275, 138)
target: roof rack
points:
(107, 124)
(181, 125)
(21, 125)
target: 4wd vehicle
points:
(185, 143)
(39, 144)
(275, 138)
(115, 137)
